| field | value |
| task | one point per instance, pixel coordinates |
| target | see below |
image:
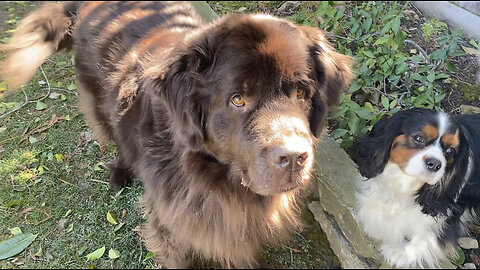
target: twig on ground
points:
(27, 101)
(67, 182)
(46, 126)
(98, 181)
(420, 49)
(18, 108)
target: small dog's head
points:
(423, 143)
(253, 91)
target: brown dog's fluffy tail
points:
(37, 36)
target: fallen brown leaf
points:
(43, 128)
(25, 211)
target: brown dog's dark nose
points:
(282, 158)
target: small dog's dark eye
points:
(300, 93)
(418, 139)
(450, 151)
(238, 100)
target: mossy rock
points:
(471, 92)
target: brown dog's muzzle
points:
(285, 144)
(286, 159)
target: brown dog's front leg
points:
(120, 175)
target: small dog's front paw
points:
(399, 257)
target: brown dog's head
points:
(254, 91)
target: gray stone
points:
(336, 177)
(469, 266)
(466, 109)
(339, 244)
(468, 243)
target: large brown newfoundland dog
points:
(218, 120)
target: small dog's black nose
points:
(282, 158)
(433, 164)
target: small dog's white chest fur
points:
(388, 212)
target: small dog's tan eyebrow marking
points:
(399, 141)
(450, 140)
(400, 153)
(430, 132)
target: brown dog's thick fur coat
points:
(219, 120)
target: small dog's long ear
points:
(372, 152)
(177, 85)
(333, 73)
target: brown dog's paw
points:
(118, 177)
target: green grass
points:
(52, 185)
(47, 174)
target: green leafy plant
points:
(431, 28)
(388, 77)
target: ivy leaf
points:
(367, 24)
(354, 123)
(416, 59)
(441, 76)
(393, 104)
(369, 107)
(81, 250)
(113, 254)
(148, 256)
(382, 40)
(39, 253)
(70, 228)
(15, 231)
(15, 244)
(71, 87)
(431, 76)
(385, 102)
(40, 106)
(67, 213)
(450, 66)
(118, 227)
(438, 54)
(60, 158)
(337, 133)
(474, 43)
(396, 25)
(364, 114)
(111, 218)
(97, 254)
(32, 140)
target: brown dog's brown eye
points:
(238, 100)
(300, 93)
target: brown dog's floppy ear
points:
(178, 89)
(333, 72)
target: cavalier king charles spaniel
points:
(423, 184)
